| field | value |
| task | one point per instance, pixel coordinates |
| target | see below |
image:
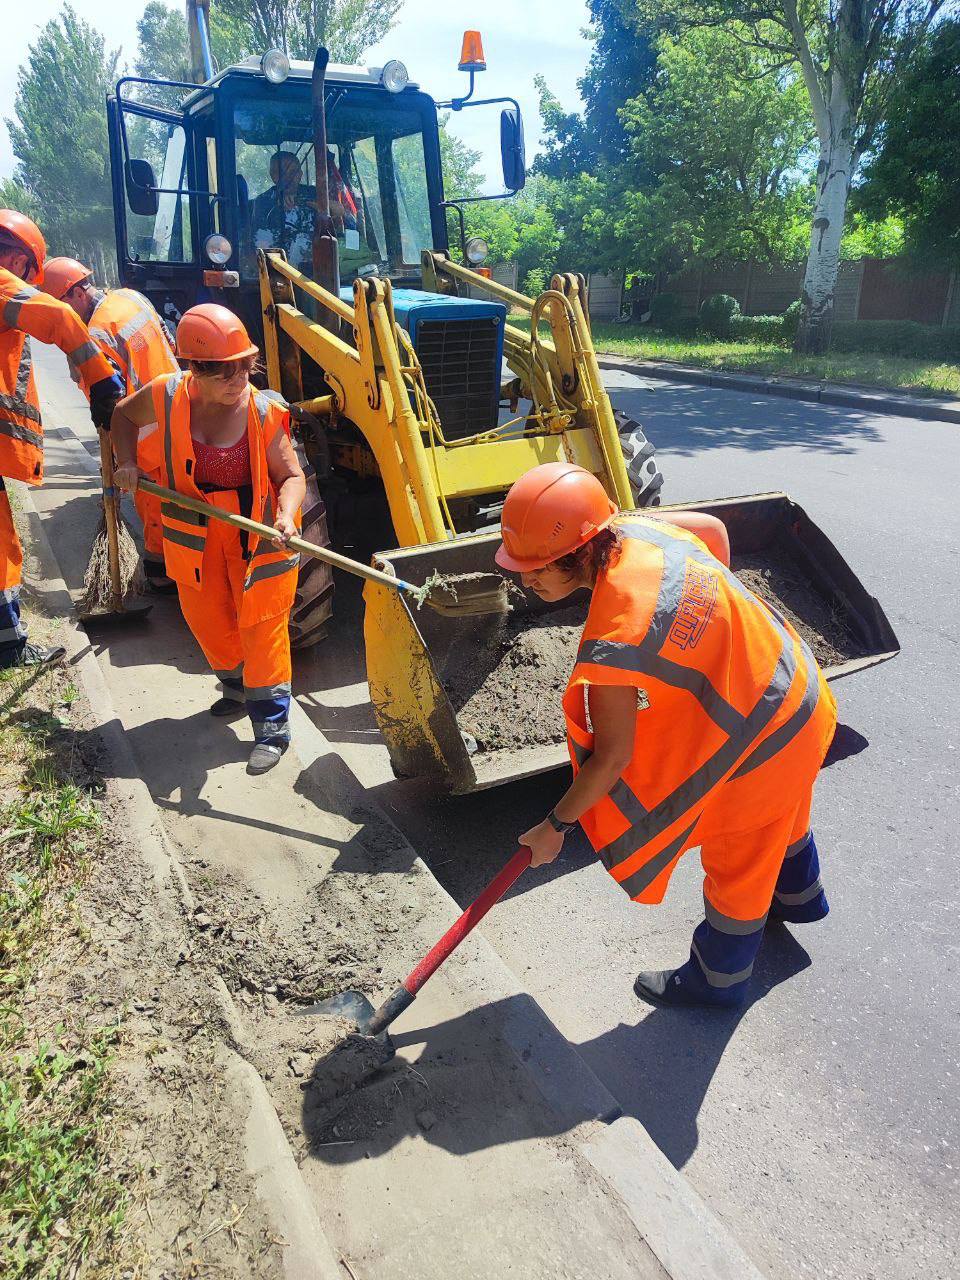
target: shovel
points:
(459, 596)
(370, 1022)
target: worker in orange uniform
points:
(695, 715)
(225, 442)
(127, 329)
(27, 313)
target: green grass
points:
(60, 1208)
(921, 377)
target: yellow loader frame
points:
(377, 386)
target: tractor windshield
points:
(376, 176)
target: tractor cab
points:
(205, 176)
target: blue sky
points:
(521, 39)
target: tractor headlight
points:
(477, 250)
(275, 65)
(218, 249)
(394, 76)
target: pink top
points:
(227, 468)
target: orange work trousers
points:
(253, 663)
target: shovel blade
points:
(353, 1005)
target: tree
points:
(727, 136)
(13, 195)
(621, 66)
(59, 135)
(163, 45)
(346, 27)
(850, 54)
(916, 171)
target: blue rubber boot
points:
(799, 897)
(717, 975)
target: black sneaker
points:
(31, 655)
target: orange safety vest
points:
(26, 312)
(271, 578)
(725, 685)
(132, 336)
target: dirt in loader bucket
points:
(473, 702)
(507, 687)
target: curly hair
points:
(594, 556)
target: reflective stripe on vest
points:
(741, 730)
(13, 306)
(117, 339)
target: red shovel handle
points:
(495, 890)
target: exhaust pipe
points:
(326, 258)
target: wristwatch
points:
(558, 824)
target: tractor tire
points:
(313, 606)
(646, 478)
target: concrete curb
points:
(307, 1255)
(686, 1238)
(933, 410)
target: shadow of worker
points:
(664, 1065)
(467, 1072)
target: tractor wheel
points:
(313, 606)
(639, 455)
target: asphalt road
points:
(822, 1123)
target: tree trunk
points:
(834, 175)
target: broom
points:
(114, 571)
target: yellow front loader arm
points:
(377, 386)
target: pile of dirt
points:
(507, 689)
(774, 575)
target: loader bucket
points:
(472, 702)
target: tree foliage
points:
(163, 45)
(851, 55)
(346, 27)
(726, 134)
(915, 174)
(59, 134)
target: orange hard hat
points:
(28, 233)
(61, 274)
(549, 512)
(212, 332)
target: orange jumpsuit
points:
(132, 336)
(236, 591)
(26, 312)
(734, 720)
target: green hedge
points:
(757, 329)
(717, 314)
(897, 338)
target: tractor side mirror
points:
(512, 150)
(141, 188)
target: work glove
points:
(104, 397)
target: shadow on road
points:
(671, 1056)
(687, 420)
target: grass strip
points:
(898, 373)
(60, 1207)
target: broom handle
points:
(264, 531)
(110, 510)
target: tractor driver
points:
(285, 215)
